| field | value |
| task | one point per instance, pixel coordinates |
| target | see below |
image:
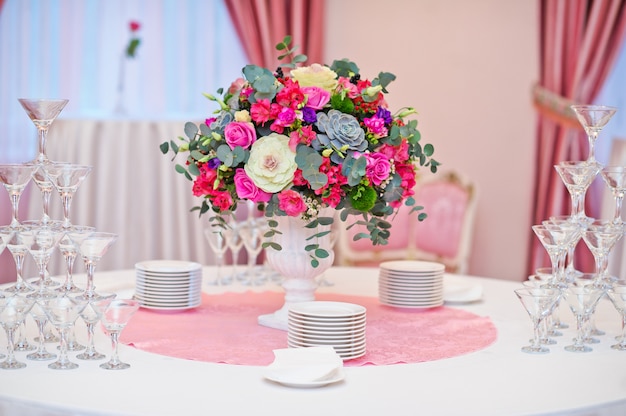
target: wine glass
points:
(92, 248)
(538, 302)
(554, 239)
(617, 295)
(40, 317)
(42, 113)
(600, 237)
(615, 178)
(41, 241)
(234, 241)
(570, 267)
(252, 233)
(15, 177)
(66, 178)
(62, 312)
(593, 118)
(114, 315)
(12, 239)
(581, 297)
(91, 315)
(215, 236)
(577, 176)
(68, 246)
(13, 312)
(45, 187)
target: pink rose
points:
(378, 167)
(376, 126)
(236, 86)
(317, 97)
(246, 189)
(239, 133)
(222, 200)
(291, 202)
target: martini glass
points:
(114, 315)
(581, 299)
(62, 312)
(600, 237)
(15, 177)
(617, 295)
(615, 178)
(45, 187)
(12, 238)
(68, 246)
(66, 178)
(13, 312)
(252, 233)
(577, 176)
(41, 241)
(92, 248)
(593, 118)
(234, 241)
(42, 113)
(91, 316)
(539, 303)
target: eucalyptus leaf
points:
(191, 130)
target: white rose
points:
(315, 75)
(272, 163)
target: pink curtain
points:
(261, 24)
(580, 40)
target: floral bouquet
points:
(303, 138)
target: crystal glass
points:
(14, 243)
(615, 179)
(66, 178)
(538, 302)
(235, 242)
(91, 315)
(593, 118)
(577, 176)
(581, 299)
(555, 240)
(617, 295)
(42, 113)
(600, 237)
(570, 267)
(40, 317)
(252, 233)
(41, 241)
(45, 187)
(68, 246)
(114, 315)
(13, 312)
(15, 177)
(92, 248)
(62, 312)
(215, 236)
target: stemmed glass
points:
(215, 236)
(600, 237)
(234, 241)
(42, 113)
(13, 312)
(593, 118)
(45, 187)
(15, 177)
(92, 248)
(62, 312)
(615, 178)
(539, 303)
(555, 239)
(68, 246)
(14, 243)
(252, 233)
(114, 315)
(91, 315)
(577, 176)
(41, 241)
(40, 317)
(617, 295)
(570, 268)
(66, 178)
(581, 297)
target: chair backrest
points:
(445, 235)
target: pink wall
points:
(467, 67)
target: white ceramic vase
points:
(293, 262)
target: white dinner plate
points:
(167, 266)
(327, 310)
(412, 266)
(276, 377)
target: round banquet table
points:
(496, 380)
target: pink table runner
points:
(224, 329)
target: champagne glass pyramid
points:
(577, 176)
(42, 113)
(615, 178)
(15, 177)
(593, 118)
(66, 178)
(92, 248)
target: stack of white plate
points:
(337, 324)
(411, 284)
(168, 284)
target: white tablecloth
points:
(499, 380)
(132, 190)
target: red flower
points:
(134, 25)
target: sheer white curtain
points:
(72, 49)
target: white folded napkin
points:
(305, 365)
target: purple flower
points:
(384, 114)
(214, 163)
(309, 115)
